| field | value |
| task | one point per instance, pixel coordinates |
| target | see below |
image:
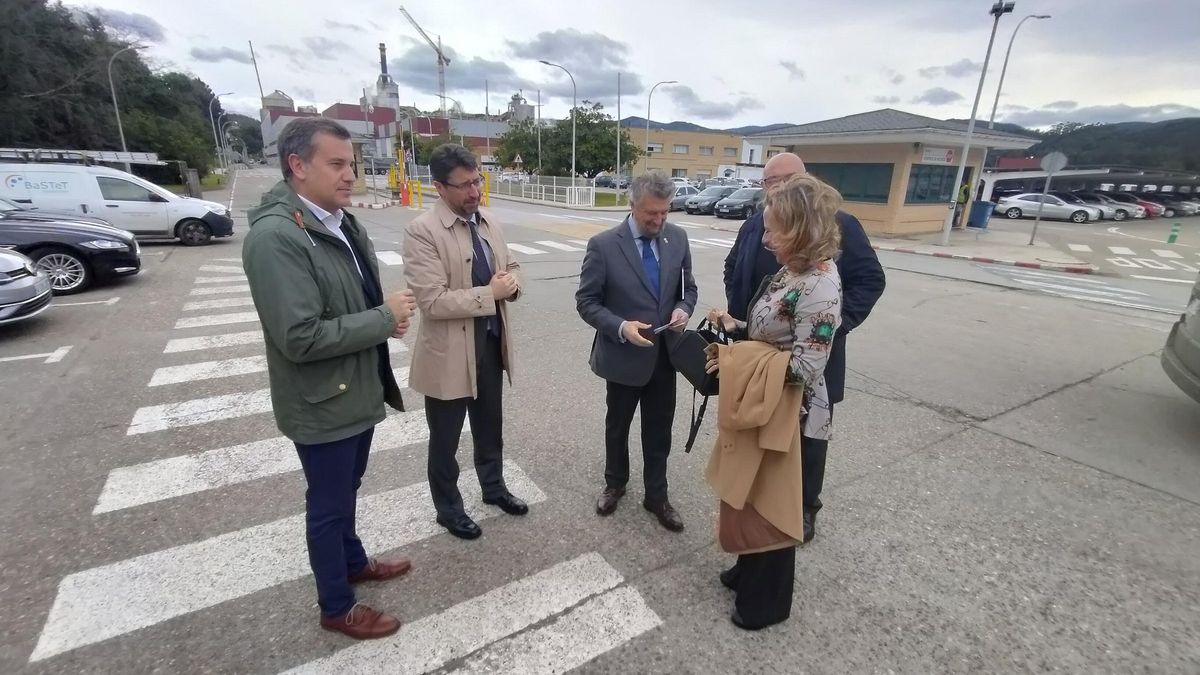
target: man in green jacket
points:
(326, 322)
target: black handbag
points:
(688, 357)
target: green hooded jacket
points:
(322, 337)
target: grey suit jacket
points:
(613, 287)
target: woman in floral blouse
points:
(797, 310)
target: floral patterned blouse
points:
(801, 314)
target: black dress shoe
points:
(668, 517)
(810, 525)
(608, 500)
(461, 526)
(509, 504)
(729, 578)
(737, 621)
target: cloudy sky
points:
(736, 63)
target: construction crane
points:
(443, 61)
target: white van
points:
(126, 201)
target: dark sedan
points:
(73, 254)
(740, 204)
(707, 199)
(15, 210)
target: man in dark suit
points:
(635, 278)
(862, 284)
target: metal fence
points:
(553, 189)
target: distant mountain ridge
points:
(640, 122)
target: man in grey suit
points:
(635, 278)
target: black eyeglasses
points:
(478, 182)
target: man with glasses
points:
(457, 263)
(863, 281)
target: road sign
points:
(1051, 164)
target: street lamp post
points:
(225, 138)
(460, 118)
(574, 97)
(998, 10)
(220, 143)
(116, 108)
(648, 100)
(1004, 69)
(213, 122)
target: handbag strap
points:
(697, 418)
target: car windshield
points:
(744, 193)
(713, 192)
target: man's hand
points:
(503, 285)
(401, 328)
(403, 304)
(679, 319)
(630, 330)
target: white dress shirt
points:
(333, 223)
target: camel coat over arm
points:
(756, 460)
(437, 267)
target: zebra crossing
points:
(522, 250)
(1079, 287)
(551, 620)
(1158, 259)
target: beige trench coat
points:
(437, 267)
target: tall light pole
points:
(648, 100)
(116, 108)
(225, 138)
(460, 118)
(998, 10)
(220, 143)
(1004, 69)
(213, 122)
(574, 96)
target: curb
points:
(372, 207)
(1073, 269)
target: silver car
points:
(1181, 355)
(1026, 206)
(682, 192)
(24, 290)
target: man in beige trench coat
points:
(458, 265)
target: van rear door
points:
(132, 207)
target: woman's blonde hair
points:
(804, 208)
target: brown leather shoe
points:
(608, 500)
(362, 623)
(668, 517)
(380, 570)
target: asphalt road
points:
(1014, 486)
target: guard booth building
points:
(895, 170)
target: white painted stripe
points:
(1124, 262)
(103, 602)
(1117, 303)
(1184, 266)
(587, 218)
(1173, 281)
(110, 301)
(1080, 248)
(220, 290)
(1121, 250)
(213, 342)
(58, 355)
(220, 303)
(216, 320)
(1153, 264)
(429, 643)
(716, 242)
(612, 220)
(389, 257)
(559, 245)
(1163, 253)
(207, 370)
(691, 226)
(1074, 278)
(50, 357)
(728, 240)
(220, 280)
(601, 624)
(525, 249)
(578, 241)
(1092, 291)
(222, 269)
(695, 243)
(232, 260)
(211, 409)
(174, 477)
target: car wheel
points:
(193, 232)
(748, 213)
(1079, 217)
(1013, 213)
(68, 272)
(1120, 215)
(1169, 213)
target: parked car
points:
(1172, 205)
(741, 204)
(1153, 209)
(682, 194)
(126, 201)
(1107, 212)
(1025, 205)
(707, 199)
(604, 181)
(1181, 355)
(9, 208)
(1123, 210)
(24, 289)
(74, 255)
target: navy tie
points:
(482, 271)
(650, 264)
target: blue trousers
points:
(334, 473)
